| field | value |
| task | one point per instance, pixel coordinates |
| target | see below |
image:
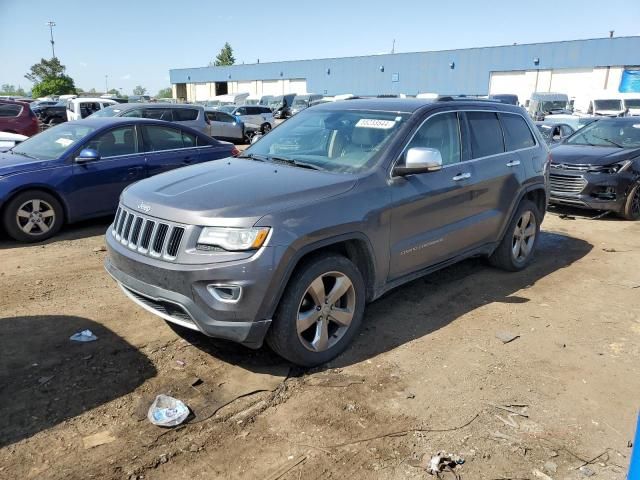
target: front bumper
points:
(179, 294)
(598, 191)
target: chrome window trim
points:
(457, 112)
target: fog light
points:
(605, 193)
(225, 293)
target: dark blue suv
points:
(77, 170)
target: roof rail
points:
(451, 98)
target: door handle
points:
(134, 171)
(514, 163)
(461, 176)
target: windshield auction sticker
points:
(374, 123)
(65, 142)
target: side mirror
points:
(87, 155)
(255, 138)
(420, 160)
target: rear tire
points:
(33, 216)
(631, 210)
(518, 245)
(320, 311)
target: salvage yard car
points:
(330, 210)
(254, 116)
(77, 170)
(598, 167)
(17, 117)
(79, 108)
(226, 127)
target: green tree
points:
(61, 85)
(9, 89)
(93, 90)
(113, 91)
(49, 79)
(139, 90)
(165, 93)
(225, 57)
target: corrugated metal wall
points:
(426, 71)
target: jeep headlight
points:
(232, 239)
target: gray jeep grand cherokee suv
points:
(326, 213)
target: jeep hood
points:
(231, 192)
(588, 155)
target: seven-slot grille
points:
(149, 236)
(566, 184)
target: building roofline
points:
(408, 53)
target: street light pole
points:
(106, 85)
(52, 24)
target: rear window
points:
(485, 133)
(184, 114)
(157, 114)
(10, 110)
(516, 132)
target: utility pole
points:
(393, 47)
(52, 24)
(106, 84)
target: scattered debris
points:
(510, 422)
(102, 248)
(551, 467)
(538, 474)
(603, 214)
(506, 337)
(83, 336)
(629, 444)
(613, 250)
(166, 411)
(180, 363)
(553, 454)
(98, 439)
(196, 381)
(586, 471)
(286, 468)
(442, 462)
(44, 380)
(564, 216)
(508, 408)
(409, 394)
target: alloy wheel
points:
(35, 217)
(524, 236)
(266, 128)
(326, 311)
(635, 203)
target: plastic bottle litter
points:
(83, 336)
(166, 411)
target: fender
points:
(516, 202)
(292, 259)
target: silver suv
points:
(329, 211)
(254, 117)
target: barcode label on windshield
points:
(374, 123)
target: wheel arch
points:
(536, 193)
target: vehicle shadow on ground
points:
(76, 231)
(423, 306)
(46, 379)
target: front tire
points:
(33, 216)
(631, 210)
(320, 311)
(518, 245)
(265, 128)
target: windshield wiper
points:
(253, 156)
(25, 155)
(295, 163)
(607, 140)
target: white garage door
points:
(298, 85)
(517, 83)
(271, 87)
(202, 91)
(247, 87)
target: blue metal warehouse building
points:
(575, 67)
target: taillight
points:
(235, 152)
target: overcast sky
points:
(137, 42)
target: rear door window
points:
(10, 110)
(188, 140)
(185, 114)
(225, 117)
(158, 138)
(516, 132)
(135, 113)
(485, 134)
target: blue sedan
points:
(77, 170)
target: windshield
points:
(301, 101)
(338, 141)
(632, 103)
(554, 105)
(608, 133)
(276, 102)
(52, 143)
(607, 105)
(227, 108)
(111, 111)
(545, 130)
(251, 101)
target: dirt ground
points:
(427, 373)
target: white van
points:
(79, 108)
(231, 98)
(606, 105)
(631, 103)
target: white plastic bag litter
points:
(83, 336)
(166, 411)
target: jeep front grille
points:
(147, 235)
